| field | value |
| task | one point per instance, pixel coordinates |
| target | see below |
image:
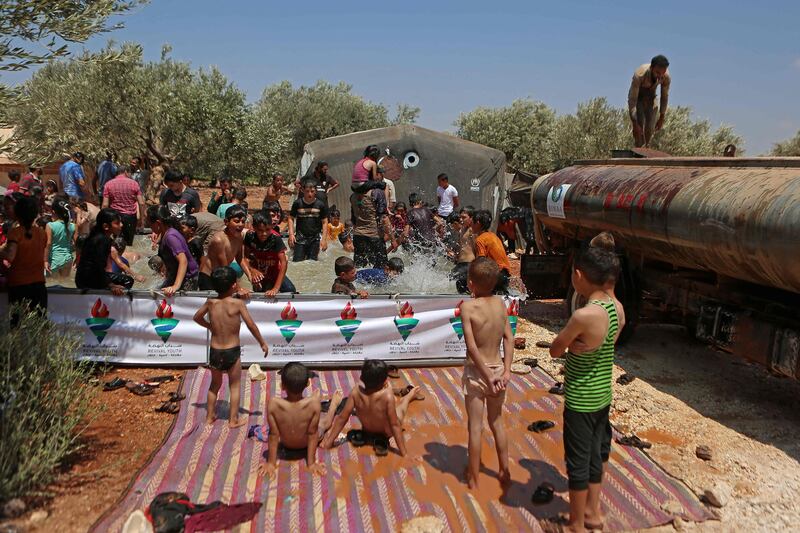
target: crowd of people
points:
(71, 237)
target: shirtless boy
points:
(380, 415)
(224, 247)
(297, 424)
(225, 316)
(485, 324)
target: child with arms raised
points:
(225, 316)
(589, 336)
(297, 424)
(485, 323)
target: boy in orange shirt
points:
(487, 244)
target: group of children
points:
(301, 424)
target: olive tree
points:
(523, 131)
(684, 136)
(788, 148)
(592, 132)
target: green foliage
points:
(320, 111)
(534, 139)
(45, 402)
(194, 120)
(788, 148)
(523, 131)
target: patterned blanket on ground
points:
(362, 492)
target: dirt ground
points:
(685, 394)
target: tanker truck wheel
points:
(627, 292)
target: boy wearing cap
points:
(296, 424)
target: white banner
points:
(327, 329)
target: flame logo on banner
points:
(405, 321)
(458, 326)
(99, 323)
(164, 323)
(288, 323)
(348, 325)
(513, 314)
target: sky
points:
(737, 65)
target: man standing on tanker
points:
(642, 99)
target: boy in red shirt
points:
(264, 259)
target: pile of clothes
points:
(173, 512)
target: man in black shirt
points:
(309, 215)
(420, 231)
(179, 195)
(324, 182)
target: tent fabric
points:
(415, 157)
(519, 193)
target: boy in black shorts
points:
(264, 259)
(225, 315)
(589, 336)
(306, 220)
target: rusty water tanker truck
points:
(713, 244)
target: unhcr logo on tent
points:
(475, 185)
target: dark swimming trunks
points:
(222, 360)
(291, 454)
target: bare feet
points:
(211, 417)
(335, 399)
(237, 422)
(594, 522)
(317, 469)
(472, 481)
(416, 394)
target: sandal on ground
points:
(381, 446)
(533, 363)
(540, 426)
(356, 437)
(114, 384)
(394, 372)
(161, 379)
(403, 391)
(169, 407)
(543, 493)
(634, 442)
(558, 389)
(624, 379)
(140, 389)
(542, 344)
(176, 396)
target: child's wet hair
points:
(190, 222)
(396, 264)
(453, 218)
(295, 377)
(120, 244)
(222, 279)
(334, 213)
(483, 217)
(155, 263)
(374, 374)
(484, 273)
(263, 217)
(598, 261)
(235, 211)
(343, 264)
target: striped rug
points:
(364, 493)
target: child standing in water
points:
(589, 336)
(225, 316)
(485, 324)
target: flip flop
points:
(380, 446)
(176, 396)
(140, 389)
(400, 392)
(593, 527)
(558, 389)
(540, 426)
(114, 384)
(533, 363)
(169, 407)
(542, 344)
(543, 493)
(356, 438)
(634, 442)
(624, 379)
(161, 379)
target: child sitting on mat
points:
(225, 316)
(380, 415)
(297, 424)
(589, 336)
(485, 324)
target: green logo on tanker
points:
(556, 194)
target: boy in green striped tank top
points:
(589, 337)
